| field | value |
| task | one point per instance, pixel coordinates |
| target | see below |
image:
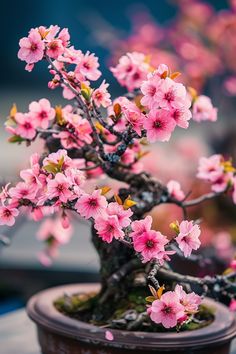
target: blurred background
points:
(197, 38)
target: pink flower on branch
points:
(174, 307)
(101, 96)
(171, 95)
(122, 215)
(188, 237)
(91, 205)
(131, 70)
(175, 191)
(59, 187)
(26, 127)
(141, 226)
(133, 115)
(210, 168)
(190, 301)
(41, 113)
(55, 48)
(204, 110)
(23, 191)
(108, 228)
(150, 244)
(7, 215)
(31, 48)
(159, 125)
(167, 310)
(88, 67)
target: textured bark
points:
(147, 192)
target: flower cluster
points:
(43, 41)
(219, 172)
(54, 45)
(174, 307)
(25, 125)
(200, 42)
(132, 70)
(164, 104)
(203, 109)
(56, 185)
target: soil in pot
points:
(61, 334)
(127, 314)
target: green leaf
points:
(16, 139)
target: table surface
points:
(17, 331)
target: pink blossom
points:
(68, 140)
(190, 301)
(210, 168)
(71, 56)
(163, 256)
(151, 85)
(233, 264)
(48, 33)
(52, 228)
(141, 226)
(37, 213)
(171, 95)
(46, 257)
(31, 178)
(131, 70)
(29, 67)
(55, 48)
(232, 305)
(149, 89)
(58, 187)
(75, 176)
(56, 157)
(25, 126)
(41, 112)
(7, 215)
(122, 215)
(149, 244)
(204, 110)
(23, 191)
(82, 128)
(175, 190)
(188, 238)
(53, 234)
(181, 116)
(167, 310)
(159, 125)
(31, 48)
(88, 67)
(128, 157)
(91, 205)
(64, 36)
(134, 116)
(101, 96)
(108, 227)
(222, 182)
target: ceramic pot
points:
(59, 334)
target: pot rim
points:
(41, 310)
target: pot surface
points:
(60, 334)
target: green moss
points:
(76, 303)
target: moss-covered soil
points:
(128, 313)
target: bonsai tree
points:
(93, 137)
